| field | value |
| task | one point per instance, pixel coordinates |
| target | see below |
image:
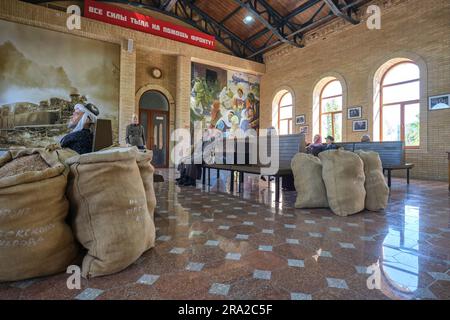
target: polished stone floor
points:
(213, 244)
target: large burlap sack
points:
(311, 192)
(147, 170)
(62, 153)
(343, 174)
(34, 238)
(377, 190)
(109, 210)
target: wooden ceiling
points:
(274, 21)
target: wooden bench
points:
(289, 146)
(392, 155)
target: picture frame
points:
(360, 126)
(354, 112)
(300, 119)
(439, 102)
(304, 130)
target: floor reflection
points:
(400, 260)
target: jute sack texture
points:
(147, 171)
(311, 191)
(343, 175)
(377, 190)
(110, 217)
(34, 237)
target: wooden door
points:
(156, 126)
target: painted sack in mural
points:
(224, 100)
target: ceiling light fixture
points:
(248, 19)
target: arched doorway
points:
(154, 117)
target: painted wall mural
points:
(43, 74)
(225, 100)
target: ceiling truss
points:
(282, 29)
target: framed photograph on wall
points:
(354, 113)
(300, 120)
(439, 102)
(360, 125)
(304, 129)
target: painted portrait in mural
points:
(224, 100)
(43, 74)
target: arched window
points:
(284, 111)
(330, 123)
(400, 107)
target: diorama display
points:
(40, 84)
(225, 100)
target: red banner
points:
(133, 20)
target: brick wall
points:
(414, 29)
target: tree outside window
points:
(400, 107)
(331, 110)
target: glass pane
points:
(286, 100)
(286, 113)
(332, 89)
(284, 127)
(159, 139)
(403, 92)
(337, 127)
(143, 122)
(391, 123)
(154, 100)
(402, 72)
(412, 125)
(327, 129)
(332, 104)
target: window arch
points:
(330, 110)
(400, 104)
(284, 108)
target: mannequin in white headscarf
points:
(80, 139)
(82, 118)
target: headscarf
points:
(365, 138)
(225, 119)
(86, 115)
(317, 140)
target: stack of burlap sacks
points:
(344, 181)
(103, 201)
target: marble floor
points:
(214, 244)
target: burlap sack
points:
(311, 192)
(147, 170)
(343, 174)
(109, 210)
(62, 153)
(377, 190)
(34, 238)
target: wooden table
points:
(448, 170)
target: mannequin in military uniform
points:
(135, 133)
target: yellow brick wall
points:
(410, 28)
